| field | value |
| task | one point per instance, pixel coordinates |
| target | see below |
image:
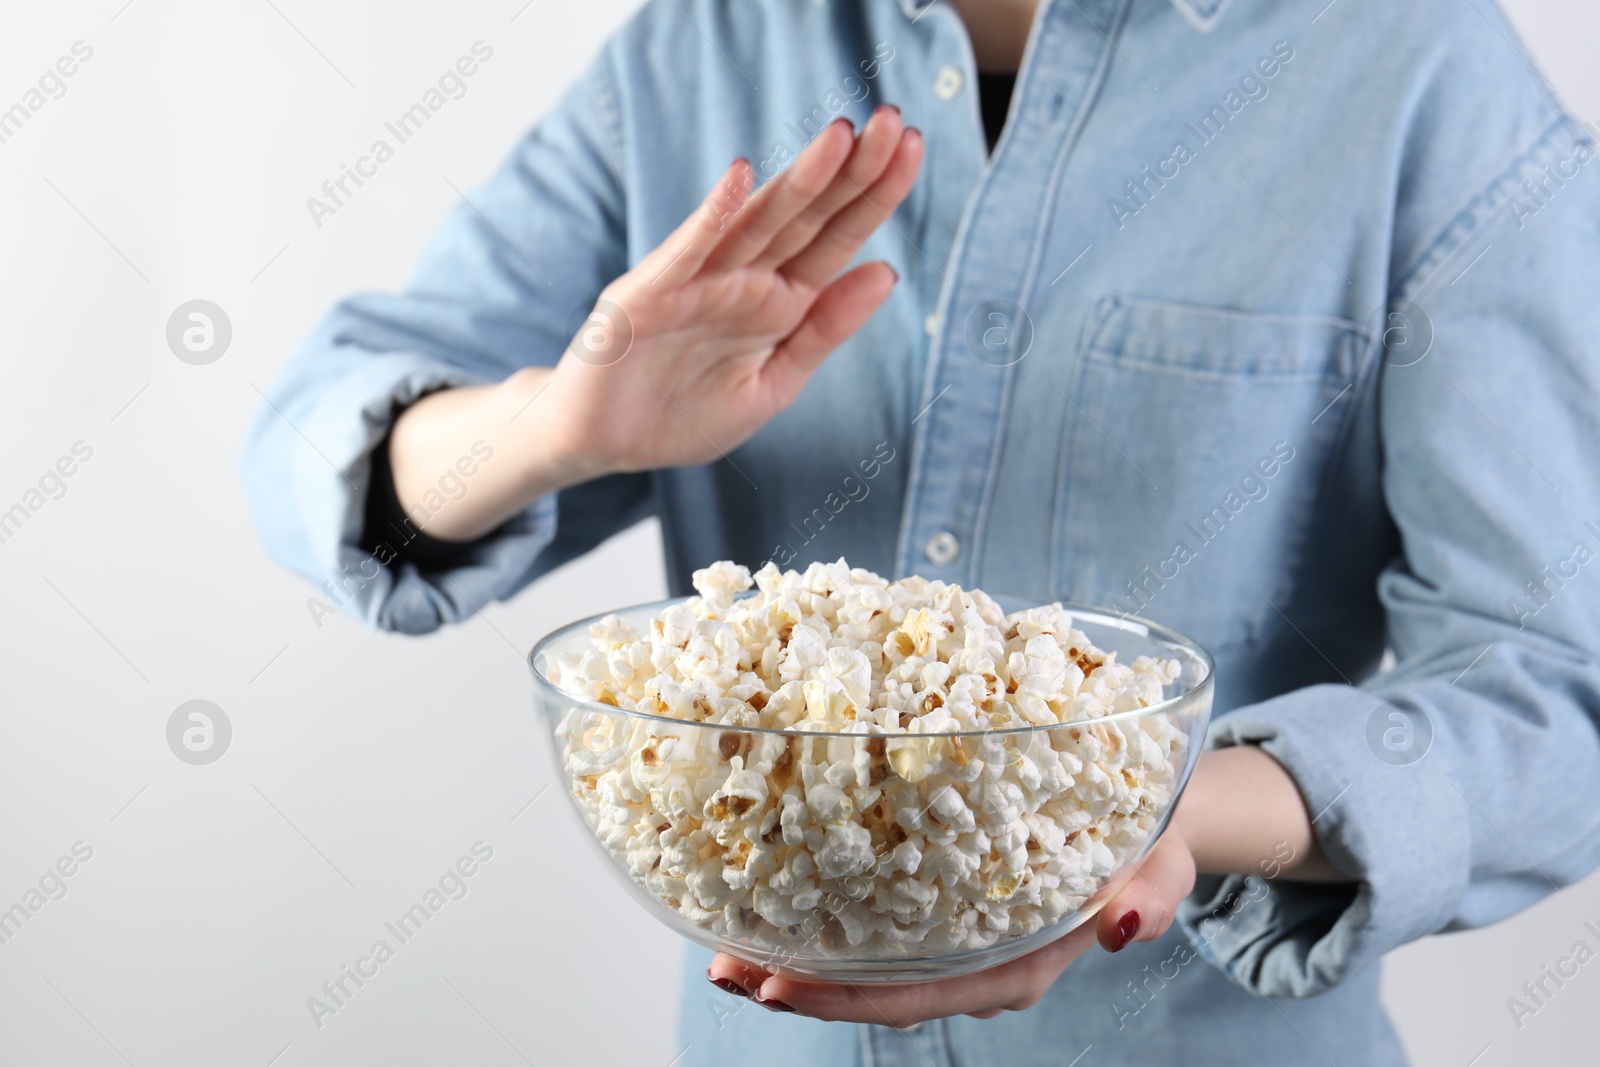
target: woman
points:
(1270, 322)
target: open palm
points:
(719, 328)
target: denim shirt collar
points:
(1202, 14)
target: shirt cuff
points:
(1399, 829)
(405, 597)
(387, 529)
(332, 480)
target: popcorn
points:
(858, 826)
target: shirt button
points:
(930, 325)
(942, 548)
(947, 83)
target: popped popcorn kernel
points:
(863, 830)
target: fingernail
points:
(914, 129)
(846, 121)
(774, 1005)
(1127, 930)
(889, 107)
(727, 985)
(893, 271)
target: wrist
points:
(553, 451)
(1189, 819)
(1242, 813)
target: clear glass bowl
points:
(903, 890)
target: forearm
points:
(499, 434)
(1243, 814)
(688, 353)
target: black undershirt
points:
(994, 99)
(389, 534)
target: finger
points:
(1144, 908)
(874, 149)
(1014, 985)
(745, 976)
(685, 250)
(838, 312)
(844, 235)
(777, 203)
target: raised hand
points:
(718, 329)
(689, 353)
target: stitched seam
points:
(1031, 276)
(1469, 219)
(1098, 315)
(1184, 370)
(912, 500)
(1332, 322)
(1338, 455)
(1096, 343)
(1360, 384)
(1092, 347)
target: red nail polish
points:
(847, 122)
(1127, 930)
(727, 985)
(774, 1005)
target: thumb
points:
(1145, 906)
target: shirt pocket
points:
(1195, 442)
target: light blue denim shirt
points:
(1273, 321)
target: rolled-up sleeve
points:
(497, 290)
(1453, 789)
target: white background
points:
(176, 167)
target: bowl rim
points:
(1118, 620)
